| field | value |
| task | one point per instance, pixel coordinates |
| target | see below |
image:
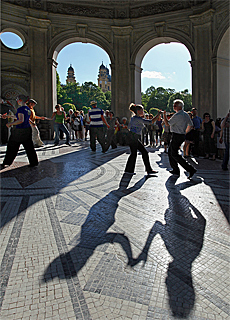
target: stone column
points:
(202, 70)
(39, 88)
(121, 72)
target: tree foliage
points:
(162, 98)
(82, 95)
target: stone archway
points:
(58, 44)
(139, 58)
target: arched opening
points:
(168, 77)
(85, 56)
(223, 75)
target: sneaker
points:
(191, 173)
(174, 172)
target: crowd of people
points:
(198, 137)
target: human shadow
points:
(94, 233)
(183, 235)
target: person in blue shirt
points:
(21, 133)
(135, 127)
(197, 123)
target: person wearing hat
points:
(197, 123)
(35, 132)
(97, 119)
(21, 134)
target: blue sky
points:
(165, 65)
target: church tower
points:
(70, 77)
(104, 78)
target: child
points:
(135, 127)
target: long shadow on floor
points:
(183, 234)
(217, 180)
(94, 233)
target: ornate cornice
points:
(203, 18)
(38, 23)
(108, 9)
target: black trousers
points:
(135, 144)
(196, 137)
(18, 137)
(174, 156)
(97, 134)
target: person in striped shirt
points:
(96, 116)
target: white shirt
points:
(179, 122)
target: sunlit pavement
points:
(81, 240)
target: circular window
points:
(11, 40)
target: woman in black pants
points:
(135, 127)
(22, 134)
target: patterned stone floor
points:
(81, 240)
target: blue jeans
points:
(62, 127)
(226, 156)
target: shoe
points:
(174, 172)
(68, 144)
(152, 172)
(32, 165)
(191, 173)
(131, 173)
(56, 144)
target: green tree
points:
(67, 106)
(184, 96)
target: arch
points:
(66, 38)
(223, 75)
(141, 50)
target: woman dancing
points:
(135, 127)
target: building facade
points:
(70, 75)
(126, 30)
(104, 78)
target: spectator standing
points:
(208, 127)
(144, 133)
(180, 124)
(69, 124)
(224, 136)
(21, 134)
(151, 130)
(197, 123)
(159, 130)
(60, 117)
(111, 137)
(97, 120)
(189, 140)
(219, 146)
(87, 124)
(123, 132)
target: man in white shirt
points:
(180, 124)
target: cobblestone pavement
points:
(81, 240)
